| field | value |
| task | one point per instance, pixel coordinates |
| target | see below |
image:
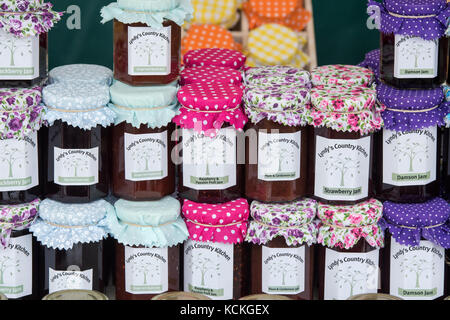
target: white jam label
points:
(146, 156)
(16, 267)
(146, 270)
(342, 168)
(415, 57)
(19, 163)
(279, 156)
(19, 57)
(350, 273)
(417, 272)
(149, 51)
(409, 157)
(283, 270)
(208, 269)
(76, 167)
(69, 279)
(209, 163)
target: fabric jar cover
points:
(344, 108)
(372, 62)
(408, 223)
(206, 107)
(412, 109)
(154, 106)
(16, 217)
(153, 224)
(214, 57)
(447, 92)
(219, 12)
(149, 12)
(224, 223)
(62, 225)
(27, 18)
(277, 75)
(90, 73)
(281, 104)
(294, 221)
(300, 60)
(80, 105)
(210, 74)
(422, 18)
(447, 121)
(343, 226)
(21, 112)
(338, 74)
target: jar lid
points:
(21, 112)
(61, 225)
(409, 222)
(180, 295)
(265, 297)
(412, 109)
(274, 8)
(225, 222)
(273, 44)
(154, 106)
(343, 226)
(3, 297)
(76, 294)
(338, 74)
(214, 57)
(16, 217)
(374, 296)
(425, 19)
(147, 223)
(149, 12)
(27, 18)
(277, 75)
(210, 74)
(77, 73)
(278, 103)
(292, 220)
(213, 11)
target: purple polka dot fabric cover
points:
(372, 62)
(409, 100)
(409, 222)
(428, 28)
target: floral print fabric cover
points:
(343, 226)
(79, 223)
(35, 17)
(344, 108)
(292, 220)
(16, 217)
(428, 28)
(282, 104)
(214, 57)
(210, 74)
(408, 223)
(412, 100)
(21, 112)
(337, 74)
(277, 75)
(224, 223)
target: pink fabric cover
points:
(214, 57)
(210, 74)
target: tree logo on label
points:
(148, 50)
(284, 269)
(211, 152)
(418, 267)
(352, 278)
(144, 156)
(14, 47)
(75, 165)
(409, 150)
(418, 49)
(342, 166)
(7, 263)
(207, 267)
(146, 270)
(12, 156)
(283, 156)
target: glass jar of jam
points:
(208, 154)
(341, 153)
(215, 255)
(414, 256)
(90, 73)
(149, 238)
(349, 257)
(407, 167)
(78, 141)
(22, 141)
(147, 40)
(142, 166)
(282, 252)
(18, 251)
(414, 48)
(71, 237)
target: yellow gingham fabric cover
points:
(219, 12)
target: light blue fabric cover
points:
(90, 73)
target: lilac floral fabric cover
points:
(343, 226)
(20, 112)
(277, 75)
(27, 18)
(409, 222)
(292, 220)
(372, 62)
(344, 108)
(395, 17)
(412, 100)
(16, 217)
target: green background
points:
(341, 33)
